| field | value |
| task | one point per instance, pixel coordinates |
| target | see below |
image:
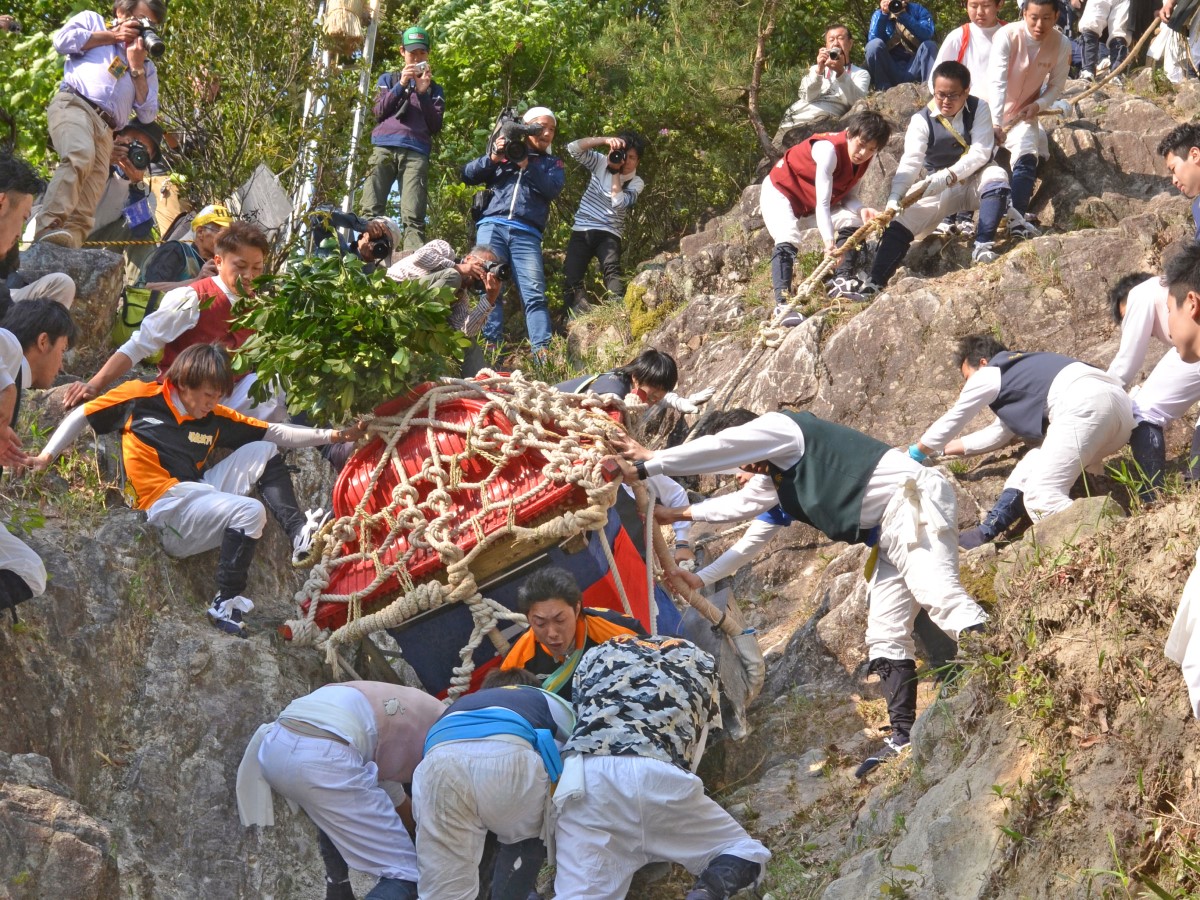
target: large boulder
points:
(99, 277)
(50, 846)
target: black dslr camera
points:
(617, 157)
(154, 44)
(514, 134)
(896, 7)
(138, 155)
(381, 249)
(499, 268)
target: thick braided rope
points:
(568, 429)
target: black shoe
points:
(892, 748)
(972, 538)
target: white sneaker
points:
(982, 252)
(966, 227)
(945, 228)
(227, 614)
(845, 284)
(314, 519)
(791, 318)
(1087, 75)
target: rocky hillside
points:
(1062, 764)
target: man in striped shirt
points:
(600, 219)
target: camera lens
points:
(138, 155)
(617, 157)
(154, 44)
(835, 53)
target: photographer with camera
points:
(374, 241)
(522, 178)
(107, 77)
(830, 88)
(900, 46)
(409, 110)
(479, 276)
(126, 208)
(600, 219)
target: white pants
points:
(1026, 138)
(55, 286)
(1110, 15)
(923, 216)
(1170, 47)
(1183, 643)
(460, 792)
(1169, 391)
(781, 221)
(918, 567)
(1093, 421)
(340, 792)
(19, 558)
(273, 409)
(193, 515)
(635, 811)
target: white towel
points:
(1183, 643)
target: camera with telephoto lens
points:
(499, 268)
(835, 53)
(514, 134)
(896, 7)
(154, 44)
(138, 155)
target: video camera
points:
(514, 133)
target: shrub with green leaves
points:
(341, 341)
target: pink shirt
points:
(1024, 70)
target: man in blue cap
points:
(408, 112)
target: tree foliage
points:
(341, 341)
(236, 74)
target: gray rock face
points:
(99, 276)
(49, 846)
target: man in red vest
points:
(819, 177)
(200, 313)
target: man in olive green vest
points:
(851, 488)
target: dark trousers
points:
(584, 246)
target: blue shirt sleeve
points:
(880, 28)
(918, 20)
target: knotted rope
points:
(422, 514)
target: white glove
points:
(893, 204)
(688, 405)
(939, 181)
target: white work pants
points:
(782, 223)
(55, 286)
(1183, 643)
(193, 515)
(918, 566)
(635, 811)
(1106, 15)
(923, 216)
(19, 558)
(340, 792)
(460, 792)
(1090, 422)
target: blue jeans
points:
(523, 251)
(889, 68)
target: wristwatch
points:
(640, 468)
(137, 73)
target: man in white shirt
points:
(971, 44)
(1141, 306)
(831, 86)
(1079, 414)
(851, 488)
(950, 143)
(1030, 61)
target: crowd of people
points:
(587, 710)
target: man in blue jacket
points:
(900, 45)
(409, 112)
(515, 217)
